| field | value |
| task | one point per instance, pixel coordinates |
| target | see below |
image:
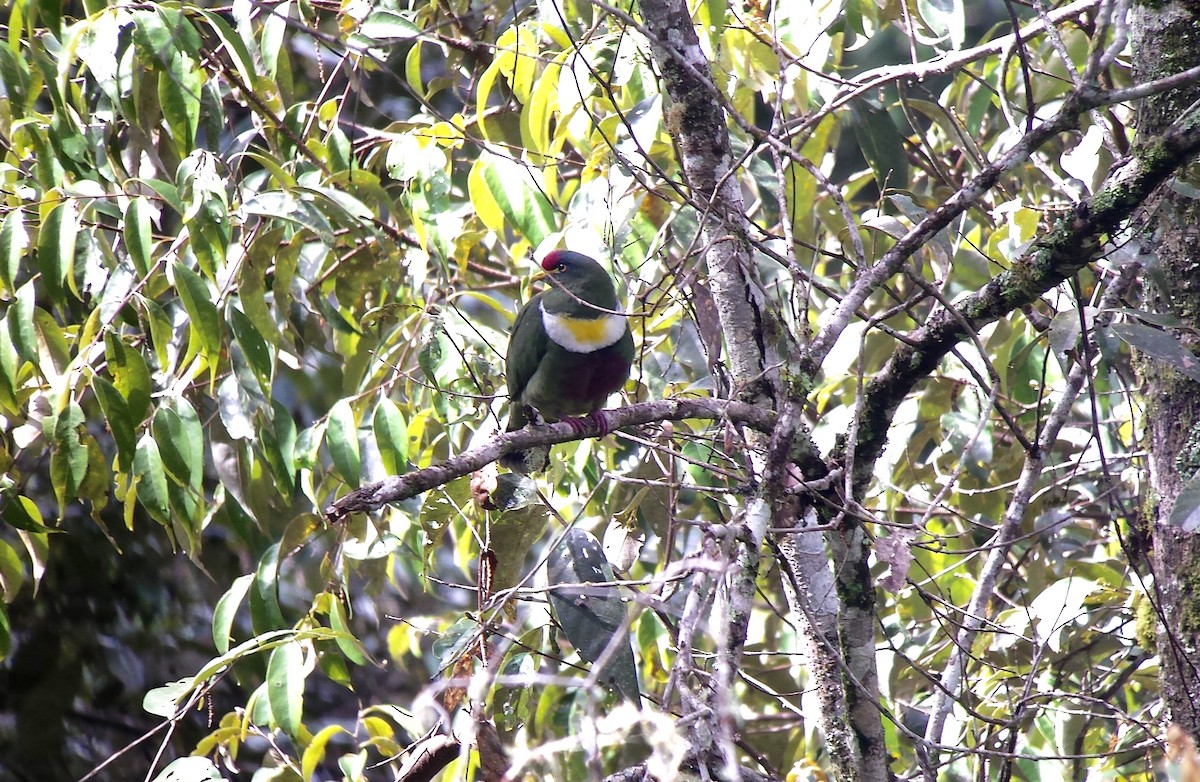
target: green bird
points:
(569, 350)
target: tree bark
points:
(757, 347)
(1164, 40)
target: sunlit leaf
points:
(14, 240)
(12, 573)
(198, 301)
(286, 671)
(138, 239)
(56, 248)
(226, 611)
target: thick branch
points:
(1074, 242)
(401, 487)
(1157, 159)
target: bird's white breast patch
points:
(583, 335)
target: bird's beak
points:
(538, 276)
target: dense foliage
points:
(254, 256)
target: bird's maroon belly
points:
(591, 378)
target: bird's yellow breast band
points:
(583, 335)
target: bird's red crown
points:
(551, 261)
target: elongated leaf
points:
(881, 144)
(56, 248)
(386, 26)
(258, 355)
(138, 239)
(190, 769)
(14, 240)
(150, 480)
(130, 376)
(198, 301)
(285, 686)
(501, 184)
(180, 441)
(164, 701)
(20, 325)
(278, 444)
(118, 420)
(226, 611)
(22, 513)
(1160, 345)
(314, 753)
(341, 437)
(589, 609)
(68, 455)
(265, 613)
(12, 572)
(337, 620)
(391, 436)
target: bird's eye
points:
(562, 267)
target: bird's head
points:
(580, 276)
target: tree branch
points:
(1073, 107)
(401, 487)
(1074, 242)
(977, 612)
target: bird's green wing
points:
(526, 346)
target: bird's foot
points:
(579, 426)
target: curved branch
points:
(1074, 242)
(401, 487)
(1067, 118)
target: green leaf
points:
(271, 39)
(391, 436)
(118, 420)
(265, 613)
(198, 302)
(345, 642)
(68, 455)
(503, 193)
(179, 98)
(130, 376)
(20, 325)
(164, 701)
(276, 204)
(880, 143)
(314, 753)
(589, 608)
(946, 18)
(226, 611)
(232, 43)
(286, 672)
(180, 439)
(386, 26)
(139, 240)
(56, 248)
(278, 443)
(1160, 345)
(14, 240)
(12, 572)
(52, 343)
(190, 769)
(341, 437)
(150, 480)
(22, 513)
(258, 355)
(235, 408)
